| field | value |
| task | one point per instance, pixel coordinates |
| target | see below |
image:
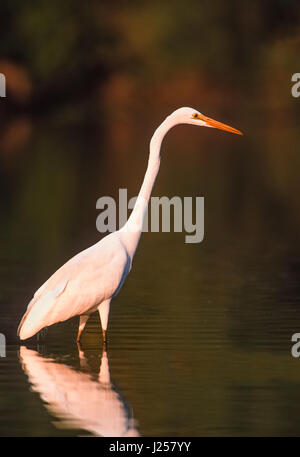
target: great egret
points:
(88, 281)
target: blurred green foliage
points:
(105, 74)
(59, 42)
(122, 66)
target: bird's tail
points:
(37, 316)
(40, 312)
(24, 317)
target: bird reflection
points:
(78, 400)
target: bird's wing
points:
(41, 310)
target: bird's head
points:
(191, 116)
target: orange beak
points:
(218, 125)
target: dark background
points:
(200, 334)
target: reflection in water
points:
(79, 401)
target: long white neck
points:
(132, 230)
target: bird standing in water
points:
(89, 281)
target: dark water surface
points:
(200, 335)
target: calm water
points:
(200, 335)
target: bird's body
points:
(80, 286)
(89, 280)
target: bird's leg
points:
(104, 313)
(83, 320)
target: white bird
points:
(78, 398)
(88, 281)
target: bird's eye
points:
(196, 116)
